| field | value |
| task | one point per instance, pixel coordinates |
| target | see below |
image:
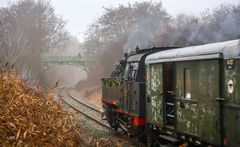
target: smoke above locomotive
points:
(142, 35)
(220, 24)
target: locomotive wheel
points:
(142, 138)
(152, 140)
(111, 118)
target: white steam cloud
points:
(142, 35)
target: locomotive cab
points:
(119, 70)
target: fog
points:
(30, 29)
(65, 75)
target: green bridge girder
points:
(51, 61)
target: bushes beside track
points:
(30, 117)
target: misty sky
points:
(80, 13)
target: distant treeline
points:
(147, 24)
(29, 28)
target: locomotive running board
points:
(170, 139)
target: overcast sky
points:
(80, 13)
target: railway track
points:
(84, 103)
(90, 112)
(93, 114)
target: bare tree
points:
(219, 24)
(105, 38)
(119, 22)
(29, 28)
(148, 24)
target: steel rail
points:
(68, 102)
(84, 103)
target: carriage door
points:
(168, 95)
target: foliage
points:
(112, 82)
(29, 117)
(27, 29)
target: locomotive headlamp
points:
(230, 86)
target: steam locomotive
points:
(170, 95)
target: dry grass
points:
(29, 117)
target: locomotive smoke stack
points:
(137, 49)
(125, 56)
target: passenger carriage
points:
(193, 93)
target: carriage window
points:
(132, 74)
(187, 83)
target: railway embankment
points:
(30, 117)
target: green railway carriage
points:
(193, 94)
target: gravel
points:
(93, 134)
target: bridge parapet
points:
(62, 58)
(50, 61)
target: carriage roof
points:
(225, 50)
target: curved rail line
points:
(78, 106)
(84, 103)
